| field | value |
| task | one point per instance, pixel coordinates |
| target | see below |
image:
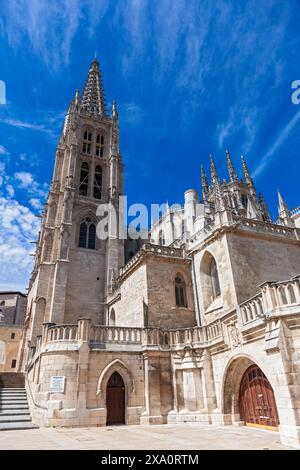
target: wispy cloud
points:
(3, 150)
(49, 27)
(26, 180)
(26, 125)
(280, 139)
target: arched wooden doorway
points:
(115, 400)
(257, 400)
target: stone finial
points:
(204, 183)
(213, 171)
(231, 170)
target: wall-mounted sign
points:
(57, 384)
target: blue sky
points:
(190, 78)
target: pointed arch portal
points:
(115, 400)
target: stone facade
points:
(214, 290)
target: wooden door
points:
(257, 400)
(115, 400)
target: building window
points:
(99, 145)
(87, 142)
(161, 238)
(98, 182)
(87, 234)
(209, 281)
(112, 318)
(180, 291)
(13, 364)
(216, 290)
(244, 200)
(12, 336)
(84, 179)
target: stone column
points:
(152, 414)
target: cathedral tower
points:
(73, 267)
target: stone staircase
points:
(14, 409)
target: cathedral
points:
(197, 322)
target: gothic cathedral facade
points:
(201, 322)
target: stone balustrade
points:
(114, 334)
(274, 297)
(295, 211)
(98, 336)
(53, 333)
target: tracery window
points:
(180, 291)
(87, 142)
(99, 145)
(87, 234)
(98, 182)
(84, 179)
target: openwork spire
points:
(114, 129)
(204, 183)
(93, 94)
(264, 208)
(232, 173)
(213, 171)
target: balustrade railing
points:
(273, 297)
(115, 334)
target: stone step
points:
(13, 402)
(21, 425)
(12, 390)
(14, 407)
(15, 418)
(14, 412)
(13, 397)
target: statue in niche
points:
(47, 245)
(234, 335)
(65, 236)
(67, 205)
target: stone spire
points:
(264, 208)
(232, 173)
(204, 183)
(252, 212)
(93, 94)
(247, 177)
(213, 171)
(114, 130)
(283, 212)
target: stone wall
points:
(255, 260)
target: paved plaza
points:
(179, 436)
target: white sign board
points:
(57, 384)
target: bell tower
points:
(73, 267)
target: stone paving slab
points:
(189, 436)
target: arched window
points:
(216, 290)
(180, 291)
(112, 318)
(98, 182)
(209, 281)
(244, 200)
(87, 142)
(161, 238)
(99, 145)
(87, 234)
(84, 179)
